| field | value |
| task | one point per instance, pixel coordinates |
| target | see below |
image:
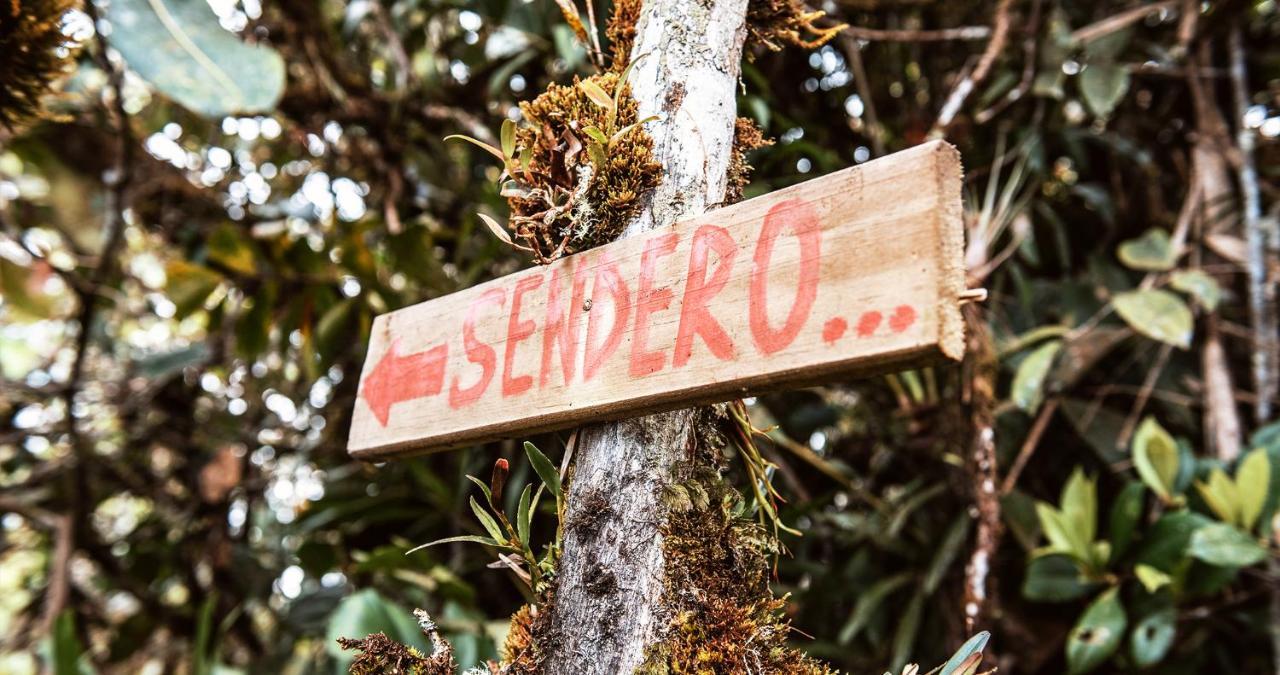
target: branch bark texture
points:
(610, 582)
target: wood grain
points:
(853, 273)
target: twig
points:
(1028, 70)
(940, 35)
(1144, 395)
(853, 53)
(1222, 420)
(1120, 21)
(979, 372)
(955, 101)
(1261, 292)
(1029, 444)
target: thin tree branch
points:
(966, 85)
(939, 35)
(1120, 21)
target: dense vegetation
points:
(197, 229)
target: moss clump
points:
(34, 55)
(572, 198)
(747, 136)
(778, 23)
(380, 655)
(725, 618)
(621, 32)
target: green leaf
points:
(490, 525)
(466, 538)
(973, 645)
(1151, 578)
(1220, 494)
(597, 95)
(66, 646)
(1197, 284)
(1155, 457)
(1151, 252)
(1225, 546)
(868, 602)
(524, 516)
(479, 144)
(1080, 506)
(484, 488)
(1055, 578)
(1097, 634)
(1152, 637)
(508, 138)
(365, 613)
(1103, 86)
(1028, 382)
(946, 553)
(188, 285)
(1157, 314)
(180, 48)
(1126, 511)
(1063, 538)
(904, 637)
(595, 134)
(1253, 480)
(597, 154)
(229, 247)
(545, 469)
(1164, 546)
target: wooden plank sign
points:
(854, 273)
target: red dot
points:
(902, 318)
(834, 329)
(868, 323)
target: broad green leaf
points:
(1028, 383)
(1103, 85)
(229, 247)
(66, 646)
(1097, 634)
(1126, 511)
(367, 612)
(597, 95)
(1225, 546)
(524, 516)
(1152, 637)
(1063, 538)
(1253, 479)
(1197, 284)
(1151, 578)
(188, 285)
(1155, 457)
(1220, 494)
(1151, 252)
(508, 138)
(490, 525)
(545, 469)
(973, 645)
(179, 47)
(1080, 506)
(1055, 578)
(1164, 545)
(868, 602)
(1157, 314)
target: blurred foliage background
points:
(198, 229)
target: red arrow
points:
(399, 378)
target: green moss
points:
(724, 616)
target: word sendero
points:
(855, 272)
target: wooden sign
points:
(854, 273)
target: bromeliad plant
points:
(513, 540)
(1157, 556)
(575, 168)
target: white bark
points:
(607, 609)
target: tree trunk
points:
(610, 579)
